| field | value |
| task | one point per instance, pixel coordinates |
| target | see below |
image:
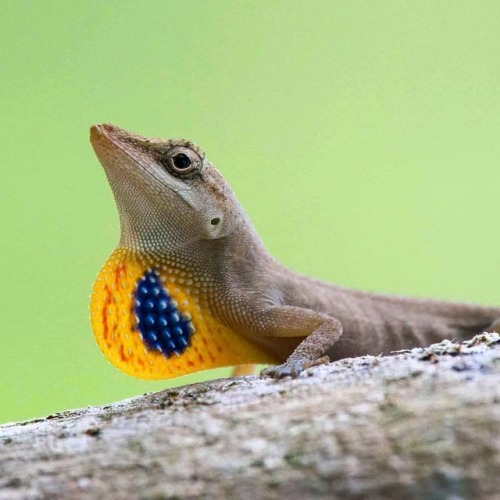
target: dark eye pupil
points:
(182, 161)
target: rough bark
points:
(418, 424)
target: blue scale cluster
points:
(162, 326)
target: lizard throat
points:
(150, 319)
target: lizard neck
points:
(204, 263)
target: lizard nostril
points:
(215, 221)
(108, 127)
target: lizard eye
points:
(181, 161)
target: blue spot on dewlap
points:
(162, 326)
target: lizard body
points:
(191, 286)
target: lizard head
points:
(167, 193)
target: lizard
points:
(191, 285)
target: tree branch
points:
(420, 423)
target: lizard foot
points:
(320, 361)
(288, 369)
(291, 368)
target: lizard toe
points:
(288, 369)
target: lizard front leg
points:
(320, 333)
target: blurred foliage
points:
(361, 137)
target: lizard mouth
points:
(110, 137)
(110, 141)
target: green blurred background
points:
(362, 138)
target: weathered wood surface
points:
(419, 424)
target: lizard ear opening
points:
(218, 226)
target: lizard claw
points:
(288, 369)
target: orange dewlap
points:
(114, 323)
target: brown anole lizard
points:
(191, 286)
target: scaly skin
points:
(187, 245)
